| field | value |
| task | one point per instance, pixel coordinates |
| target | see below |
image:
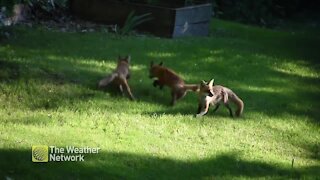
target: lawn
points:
(49, 96)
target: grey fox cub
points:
(119, 76)
(211, 94)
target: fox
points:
(119, 76)
(166, 77)
(211, 94)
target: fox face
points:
(153, 71)
(206, 88)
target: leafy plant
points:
(133, 21)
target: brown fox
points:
(119, 76)
(211, 94)
(167, 77)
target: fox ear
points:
(203, 83)
(128, 58)
(161, 63)
(211, 83)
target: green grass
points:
(48, 96)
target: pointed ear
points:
(203, 83)
(128, 58)
(211, 83)
(161, 63)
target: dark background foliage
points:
(266, 12)
(260, 12)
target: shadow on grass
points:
(313, 150)
(111, 165)
(9, 71)
(39, 121)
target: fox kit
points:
(211, 94)
(167, 77)
(119, 76)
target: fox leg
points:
(216, 108)
(126, 86)
(230, 110)
(121, 89)
(157, 83)
(205, 111)
(225, 101)
(174, 98)
(181, 94)
(177, 95)
(129, 92)
(199, 108)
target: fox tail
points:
(191, 87)
(107, 80)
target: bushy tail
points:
(191, 87)
(107, 80)
(239, 104)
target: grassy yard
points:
(48, 96)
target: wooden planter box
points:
(166, 22)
